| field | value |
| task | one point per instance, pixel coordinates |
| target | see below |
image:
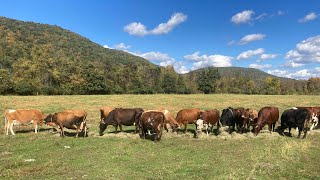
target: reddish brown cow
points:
(22, 116)
(151, 120)
(187, 116)
(267, 115)
(211, 117)
(71, 119)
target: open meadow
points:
(124, 155)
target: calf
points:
(152, 121)
(187, 116)
(71, 119)
(295, 118)
(22, 116)
(251, 117)
(315, 115)
(119, 117)
(267, 115)
(201, 124)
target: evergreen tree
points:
(207, 80)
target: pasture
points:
(124, 155)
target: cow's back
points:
(270, 114)
(104, 112)
(210, 116)
(24, 115)
(188, 115)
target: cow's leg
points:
(185, 127)
(290, 131)
(312, 126)
(11, 128)
(305, 130)
(7, 128)
(299, 129)
(120, 125)
(116, 127)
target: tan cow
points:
(169, 119)
(104, 112)
(16, 116)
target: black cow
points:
(232, 117)
(119, 117)
(153, 121)
(292, 118)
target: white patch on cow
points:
(294, 108)
(11, 111)
(15, 122)
(199, 124)
(314, 120)
(165, 112)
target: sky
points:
(279, 37)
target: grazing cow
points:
(211, 118)
(104, 112)
(119, 117)
(22, 116)
(187, 116)
(315, 115)
(152, 121)
(251, 117)
(295, 118)
(267, 115)
(201, 124)
(232, 117)
(169, 119)
(71, 119)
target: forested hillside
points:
(44, 59)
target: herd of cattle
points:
(153, 121)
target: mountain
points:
(233, 72)
(46, 59)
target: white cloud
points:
(156, 56)
(242, 17)
(138, 29)
(106, 46)
(293, 64)
(208, 60)
(307, 51)
(277, 72)
(309, 17)
(121, 46)
(302, 74)
(280, 13)
(268, 56)
(261, 16)
(251, 37)
(260, 66)
(250, 53)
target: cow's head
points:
(48, 120)
(199, 124)
(226, 116)
(102, 127)
(314, 118)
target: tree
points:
(6, 85)
(272, 85)
(206, 80)
(313, 85)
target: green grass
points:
(125, 155)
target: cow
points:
(151, 121)
(201, 124)
(208, 118)
(71, 119)
(104, 112)
(233, 117)
(267, 115)
(187, 116)
(119, 117)
(16, 116)
(292, 118)
(169, 119)
(251, 117)
(315, 115)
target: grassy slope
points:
(114, 157)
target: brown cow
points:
(104, 112)
(251, 117)
(210, 117)
(151, 120)
(71, 119)
(267, 115)
(187, 116)
(22, 116)
(315, 115)
(169, 119)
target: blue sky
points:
(278, 37)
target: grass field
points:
(125, 155)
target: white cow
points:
(201, 124)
